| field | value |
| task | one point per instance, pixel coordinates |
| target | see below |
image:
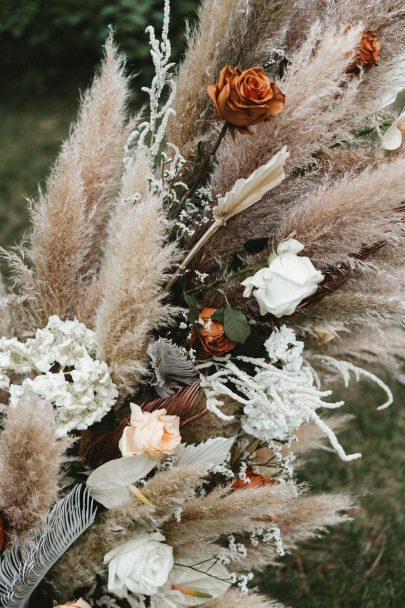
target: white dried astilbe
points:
(154, 129)
(64, 371)
(278, 401)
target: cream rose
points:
(80, 603)
(153, 433)
(287, 280)
(141, 565)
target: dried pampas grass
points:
(316, 103)
(69, 218)
(198, 69)
(344, 218)
(30, 457)
(132, 276)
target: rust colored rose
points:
(255, 481)
(245, 98)
(211, 334)
(367, 52)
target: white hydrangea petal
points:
(392, 138)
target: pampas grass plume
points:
(30, 457)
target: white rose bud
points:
(287, 281)
(141, 565)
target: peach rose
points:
(367, 52)
(211, 334)
(245, 98)
(153, 433)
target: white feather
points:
(247, 192)
(109, 483)
(23, 568)
(210, 453)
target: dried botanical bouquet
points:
(197, 281)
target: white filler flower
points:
(287, 280)
(140, 565)
(69, 377)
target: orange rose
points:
(367, 52)
(245, 98)
(211, 334)
(255, 481)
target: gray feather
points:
(171, 365)
(23, 568)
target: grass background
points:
(360, 564)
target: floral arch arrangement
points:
(197, 280)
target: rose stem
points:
(192, 190)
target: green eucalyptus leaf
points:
(218, 315)
(236, 325)
(192, 308)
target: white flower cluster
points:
(284, 348)
(277, 401)
(62, 360)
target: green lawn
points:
(359, 565)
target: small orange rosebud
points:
(245, 98)
(255, 481)
(367, 52)
(211, 334)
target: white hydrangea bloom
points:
(69, 376)
(283, 347)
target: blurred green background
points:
(48, 52)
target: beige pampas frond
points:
(197, 71)
(316, 102)
(386, 351)
(236, 599)
(222, 513)
(99, 137)
(132, 276)
(345, 310)
(30, 457)
(300, 519)
(69, 219)
(345, 217)
(168, 491)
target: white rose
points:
(287, 281)
(141, 565)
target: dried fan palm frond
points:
(170, 363)
(133, 273)
(23, 568)
(30, 457)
